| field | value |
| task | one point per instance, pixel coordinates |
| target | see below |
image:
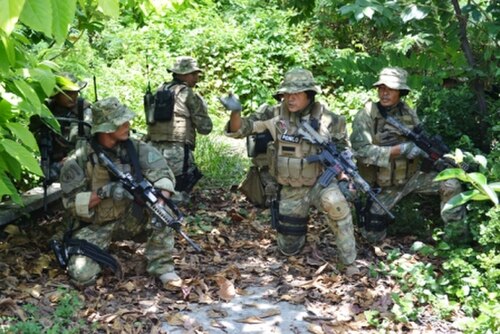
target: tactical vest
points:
(289, 151)
(401, 168)
(180, 128)
(108, 209)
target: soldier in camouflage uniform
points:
(389, 160)
(297, 178)
(103, 205)
(64, 105)
(176, 139)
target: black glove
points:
(347, 190)
(231, 102)
(411, 151)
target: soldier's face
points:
(66, 100)
(191, 79)
(296, 101)
(388, 97)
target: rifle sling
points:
(81, 132)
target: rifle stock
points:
(146, 194)
(336, 163)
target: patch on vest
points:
(290, 138)
(154, 156)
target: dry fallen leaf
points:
(226, 288)
(250, 320)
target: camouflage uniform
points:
(114, 218)
(176, 139)
(61, 144)
(399, 176)
(297, 178)
(266, 191)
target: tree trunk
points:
(477, 83)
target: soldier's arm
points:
(199, 112)
(362, 141)
(155, 167)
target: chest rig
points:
(289, 152)
(400, 168)
(98, 176)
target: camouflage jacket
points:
(367, 127)
(82, 174)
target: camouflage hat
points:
(67, 82)
(394, 78)
(296, 81)
(185, 65)
(109, 114)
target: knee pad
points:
(335, 204)
(83, 270)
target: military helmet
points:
(296, 81)
(394, 78)
(109, 114)
(185, 65)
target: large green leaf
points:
(462, 198)
(5, 111)
(23, 133)
(21, 154)
(8, 188)
(451, 173)
(46, 79)
(62, 15)
(37, 14)
(110, 7)
(9, 50)
(9, 14)
(28, 93)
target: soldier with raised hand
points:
(389, 160)
(173, 130)
(100, 203)
(298, 178)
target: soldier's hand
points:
(231, 102)
(411, 151)
(347, 190)
(114, 190)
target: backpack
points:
(160, 106)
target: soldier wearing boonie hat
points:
(297, 179)
(388, 159)
(92, 196)
(173, 130)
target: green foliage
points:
(65, 318)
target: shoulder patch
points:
(71, 175)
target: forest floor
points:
(239, 284)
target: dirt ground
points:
(239, 284)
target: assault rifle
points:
(336, 162)
(434, 147)
(145, 194)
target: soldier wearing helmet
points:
(173, 129)
(389, 160)
(93, 197)
(74, 117)
(287, 163)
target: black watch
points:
(100, 193)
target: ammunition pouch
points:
(257, 143)
(186, 181)
(294, 225)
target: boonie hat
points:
(185, 65)
(394, 78)
(67, 82)
(296, 81)
(109, 114)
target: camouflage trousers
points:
(295, 202)
(420, 183)
(159, 247)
